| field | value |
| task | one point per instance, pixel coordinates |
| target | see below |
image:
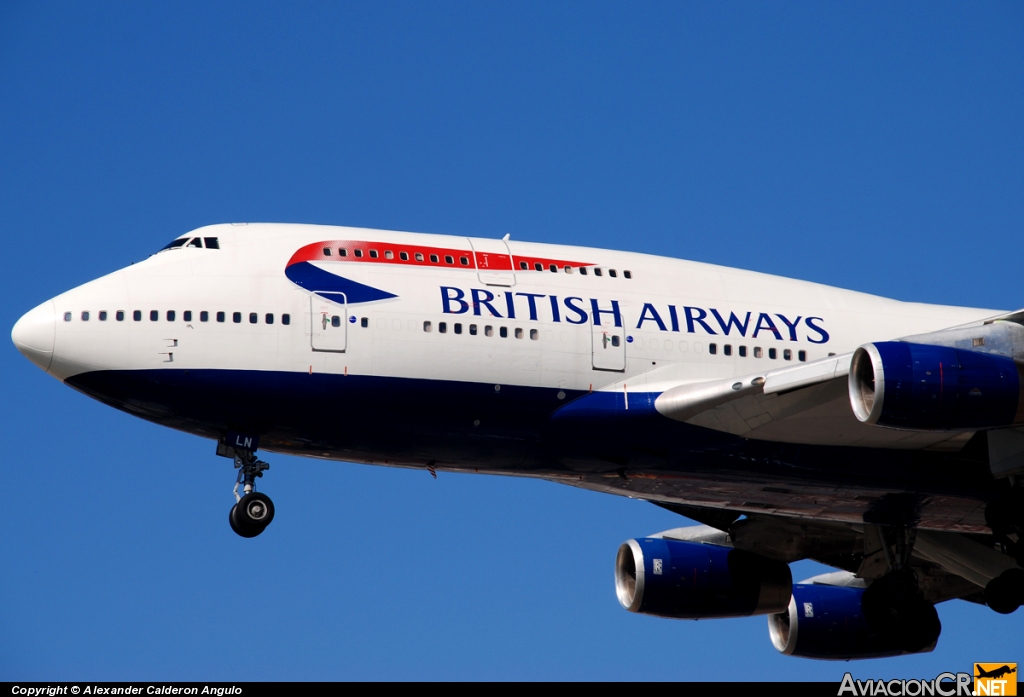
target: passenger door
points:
(328, 322)
(609, 345)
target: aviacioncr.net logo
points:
(943, 685)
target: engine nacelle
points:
(693, 580)
(934, 388)
(826, 622)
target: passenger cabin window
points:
(464, 261)
(342, 252)
(757, 352)
(727, 349)
(103, 315)
(534, 334)
(67, 316)
(583, 271)
(712, 349)
(119, 315)
(221, 317)
(204, 316)
(427, 326)
(373, 253)
(457, 328)
(286, 319)
(327, 251)
(773, 353)
(743, 351)
(523, 265)
(170, 315)
(568, 269)
(538, 266)
(553, 268)
(616, 341)
(187, 315)
(236, 317)
(787, 355)
(472, 330)
(519, 332)
(627, 274)
(364, 322)
(358, 253)
(419, 256)
(488, 330)
(136, 315)
(597, 271)
(404, 256)
(611, 272)
(254, 318)
(503, 332)
(269, 318)
(388, 254)
(433, 258)
(154, 315)
(801, 356)
(85, 315)
(442, 327)
(335, 321)
(449, 259)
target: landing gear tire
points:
(239, 529)
(1005, 593)
(893, 606)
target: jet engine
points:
(826, 622)
(694, 580)
(923, 387)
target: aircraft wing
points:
(807, 403)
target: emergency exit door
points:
(328, 322)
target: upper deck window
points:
(373, 253)
(327, 251)
(358, 253)
(404, 256)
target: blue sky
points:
(874, 146)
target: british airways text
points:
(653, 317)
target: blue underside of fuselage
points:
(514, 430)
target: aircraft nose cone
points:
(33, 334)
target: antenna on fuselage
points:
(507, 235)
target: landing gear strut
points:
(894, 604)
(253, 511)
(1005, 515)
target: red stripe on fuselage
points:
(387, 253)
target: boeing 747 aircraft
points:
(792, 420)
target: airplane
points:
(995, 672)
(790, 420)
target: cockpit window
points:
(197, 242)
(174, 244)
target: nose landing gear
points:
(253, 511)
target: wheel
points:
(240, 529)
(255, 511)
(1005, 593)
(919, 626)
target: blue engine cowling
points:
(826, 622)
(693, 580)
(934, 388)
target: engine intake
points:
(826, 622)
(693, 580)
(934, 388)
